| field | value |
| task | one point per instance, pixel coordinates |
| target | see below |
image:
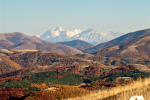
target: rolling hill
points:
(136, 49)
(18, 37)
(124, 38)
(19, 41)
(62, 49)
(75, 43)
(7, 65)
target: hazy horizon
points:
(34, 17)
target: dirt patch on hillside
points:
(120, 79)
(1, 60)
(42, 67)
(82, 67)
(141, 68)
(1, 54)
(130, 49)
(6, 51)
(113, 48)
(52, 89)
(85, 55)
(27, 50)
(147, 38)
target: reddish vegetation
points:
(56, 62)
(68, 91)
(60, 92)
(49, 58)
(7, 65)
(58, 76)
(41, 86)
(112, 84)
(93, 70)
(100, 84)
(42, 96)
(74, 69)
(25, 60)
(12, 93)
(10, 79)
(119, 70)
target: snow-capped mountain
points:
(94, 37)
(59, 34)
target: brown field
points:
(140, 87)
(6, 51)
(27, 50)
(141, 68)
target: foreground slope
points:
(124, 38)
(140, 87)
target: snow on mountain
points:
(59, 34)
(92, 36)
(38, 36)
(72, 33)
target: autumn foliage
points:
(103, 84)
(119, 70)
(59, 92)
(12, 93)
(93, 70)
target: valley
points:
(74, 49)
(40, 69)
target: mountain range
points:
(59, 34)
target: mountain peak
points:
(90, 29)
(58, 28)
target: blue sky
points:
(34, 17)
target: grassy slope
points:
(140, 87)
